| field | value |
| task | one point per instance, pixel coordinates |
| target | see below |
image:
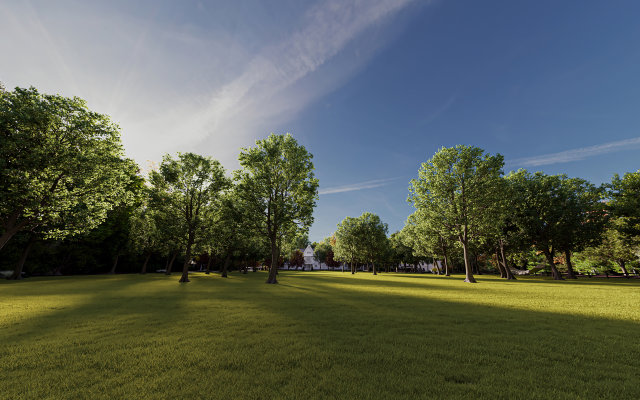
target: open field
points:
(318, 335)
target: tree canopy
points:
(62, 165)
(280, 190)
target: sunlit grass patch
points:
(318, 335)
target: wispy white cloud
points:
(174, 86)
(575, 154)
(357, 186)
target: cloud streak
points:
(576, 154)
(175, 86)
(357, 186)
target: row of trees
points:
(463, 201)
(65, 179)
(468, 212)
(68, 191)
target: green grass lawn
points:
(318, 335)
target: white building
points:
(310, 263)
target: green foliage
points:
(62, 165)
(625, 205)
(362, 239)
(279, 189)
(183, 190)
(458, 192)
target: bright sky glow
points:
(371, 87)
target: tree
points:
(144, 233)
(583, 220)
(549, 213)
(58, 160)
(230, 230)
(457, 190)
(296, 259)
(346, 247)
(371, 239)
(624, 204)
(280, 190)
(362, 239)
(188, 185)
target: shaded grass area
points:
(318, 335)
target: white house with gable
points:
(310, 261)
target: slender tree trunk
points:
(144, 265)
(374, 268)
(467, 265)
(500, 268)
(554, 271)
(209, 264)
(446, 261)
(187, 260)
(115, 264)
(623, 267)
(505, 264)
(274, 262)
(17, 272)
(225, 266)
(170, 265)
(570, 273)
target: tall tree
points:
(57, 158)
(548, 214)
(188, 184)
(279, 187)
(583, 220)
(457, 189)
(624, 204)
(346, 247)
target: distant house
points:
(310, 263)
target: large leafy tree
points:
(187, 186)
(346, 247)
(58, 160)
(372, 242)
(624, 204)
(457, 190)
(280, 190)
(229, 229)
(583, 220)
(555, 213)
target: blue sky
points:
(371, 88)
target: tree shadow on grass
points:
(469, 350)
(306, 338)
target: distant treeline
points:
(72, 203)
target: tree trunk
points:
(374, 268)
(209, 264)
(144, 266)
(467, 265)
(115, 264)
(503, 274)
(170, 264)
(623, 267)
(554, 271)
(225, 266)
(446, 262)
(570, 273)
(274, 262)
(505, 264)
(187, 259)
(17, 272)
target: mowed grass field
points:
(318, 335)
